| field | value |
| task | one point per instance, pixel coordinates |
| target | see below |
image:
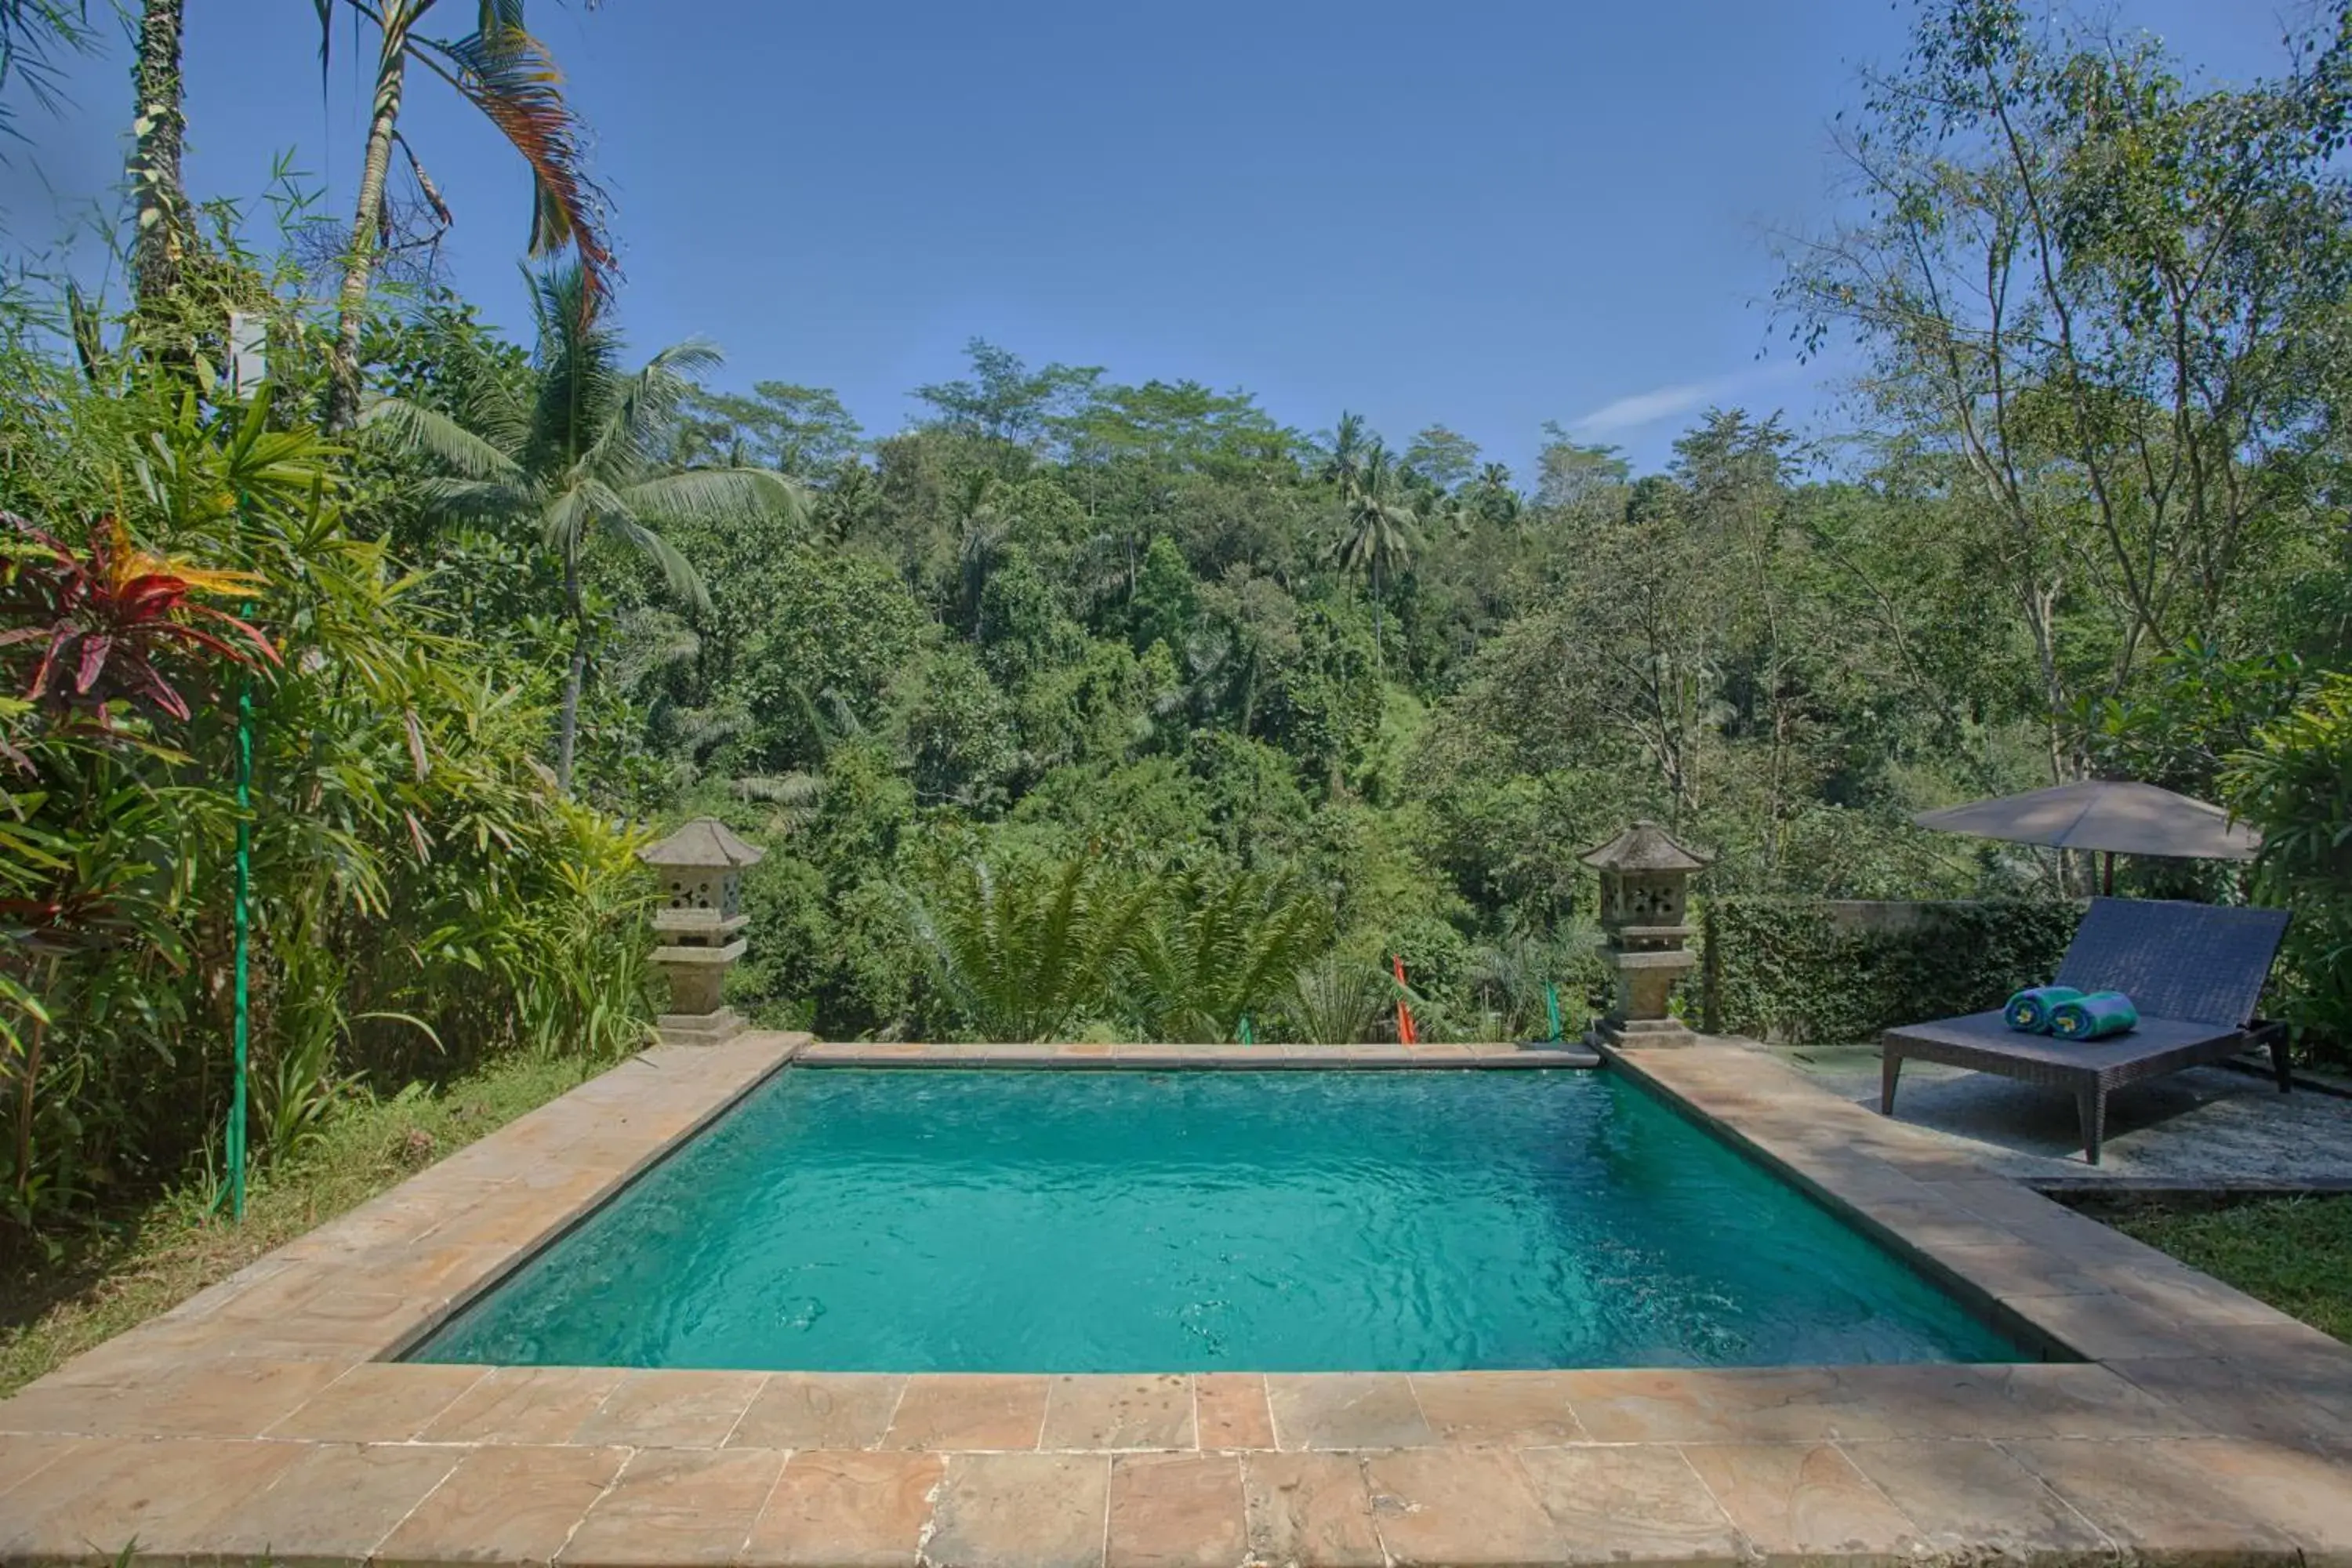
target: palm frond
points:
(633, 431)
(718, 495)
(677, 570)
(510, 76)
(412, 428)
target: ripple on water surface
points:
(999, 1220)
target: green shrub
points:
(1787, 969)
(2296, 784)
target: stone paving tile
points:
(844, 1508)
(232, 1398)
(347, 1324)
(102, 1410)
(1309, 1508)
(1110, 1411)
(1757, 1404)
(2014, 1267)
(2235, 1400)
(1020, 1511)
(1795, 1502)
(1457, 1508)
(1630, 1504)
(1232, 1411)
(671, 1507)
(2023, 1400)
(23, 1457)
(381, 1402)
(506, 1505)
(2305, 1497)
(1514, 1409)
(2105, 1327)
(667, 1409)
(1175, 1510)
(524, 1405)
(335, 1504)
(1969, 1498)
(1934, 1226)
(170, 1495)
(1346, 1410)
(2147, 1503)
(984, 1411)
(820, 1410)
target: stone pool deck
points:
(263, 1419)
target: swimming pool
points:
(845, 1220)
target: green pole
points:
(1552, 1006)
(1247, 1037)
(243, 920)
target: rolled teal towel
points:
(2028, 1011)
(2094, 1017)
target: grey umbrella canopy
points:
(2109, 814)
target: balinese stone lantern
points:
(702, 868)
(1645, 890)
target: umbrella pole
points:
(2107, 879)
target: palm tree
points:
(1344, 465)
(1493, 495)
(1380, 535)
(578, 451)
(508, 74)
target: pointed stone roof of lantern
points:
(1644, 847)
(704, 843)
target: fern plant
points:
(1020, 957)
(1220, 944)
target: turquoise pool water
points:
(1004, 1220)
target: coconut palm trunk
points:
(367, 218)
(159, 133)
(575, 674)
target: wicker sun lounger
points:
(2194, 971)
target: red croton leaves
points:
(106, 621)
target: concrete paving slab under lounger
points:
(2225, 1436)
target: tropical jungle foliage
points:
(1083, 707)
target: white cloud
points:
(1644, 408)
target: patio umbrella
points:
(2113, 816)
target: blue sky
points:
(1486, 214)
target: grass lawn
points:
(113, 1277)
(2294, 1252)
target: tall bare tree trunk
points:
(159, 133)
(343, 368)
